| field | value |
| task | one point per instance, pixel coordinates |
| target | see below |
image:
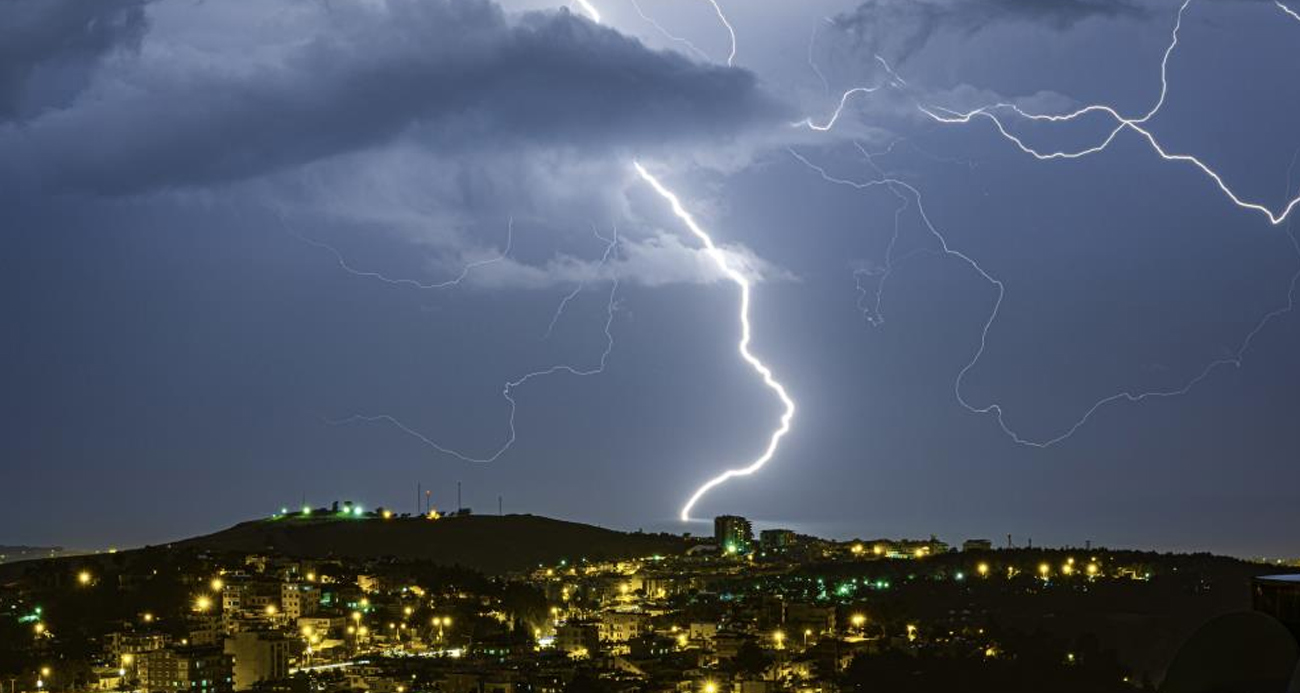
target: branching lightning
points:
(412, 283)
(1137, 125)
(764, 372)
(669, 35)
(731, 31)
(509, 389)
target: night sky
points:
(230, 227)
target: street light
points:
(84, 577)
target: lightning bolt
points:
(509, 389)
(1287, 10)
(1122, 123)
(591, 11)
(670, 36)
(1137, 125)
(731, 31)
(763, 371)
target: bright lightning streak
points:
(839, 110)
(1122, 123)
(508, 390)
(668, 35)
(742, 282)
(1288, 10)
(731, 58)
(590, 10)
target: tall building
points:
(733, 533)
(777, 539)
(186, 669)
(259, 656)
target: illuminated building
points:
(191, 669)
(733, 533)
(258, 656)
(777, 539)
(977, 545)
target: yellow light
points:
(388, 514)
(911, 632)
(127, 659)
(878, 549)
(45, 672)
(270, 609)
(1044, 569)
(623, 588)
(990, 651)
(919, 553)
(1067, 569)
(446, 620)
(779, 638)
(982, 569)
(1092, 569)
(858, 548)
(217, 584)
(858, 620)
(364, 602)
(148, 618)
(202, 603)
(710, 687)
(363, 630)
(352, 630)
(356, 615)
(39, 628)
(408, 611)
(311, 577)
(682, 640)
(84, 577)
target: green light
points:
(284, 511)
(306, 510)
(356, 510)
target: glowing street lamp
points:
(84, 577)
(982, 569)
(217, 584)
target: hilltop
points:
(487, 543)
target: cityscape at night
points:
(649, 346)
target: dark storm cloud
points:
(902, 27)
(456, 75)
(47, 46)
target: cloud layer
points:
(452, 75)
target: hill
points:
(491, 544)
